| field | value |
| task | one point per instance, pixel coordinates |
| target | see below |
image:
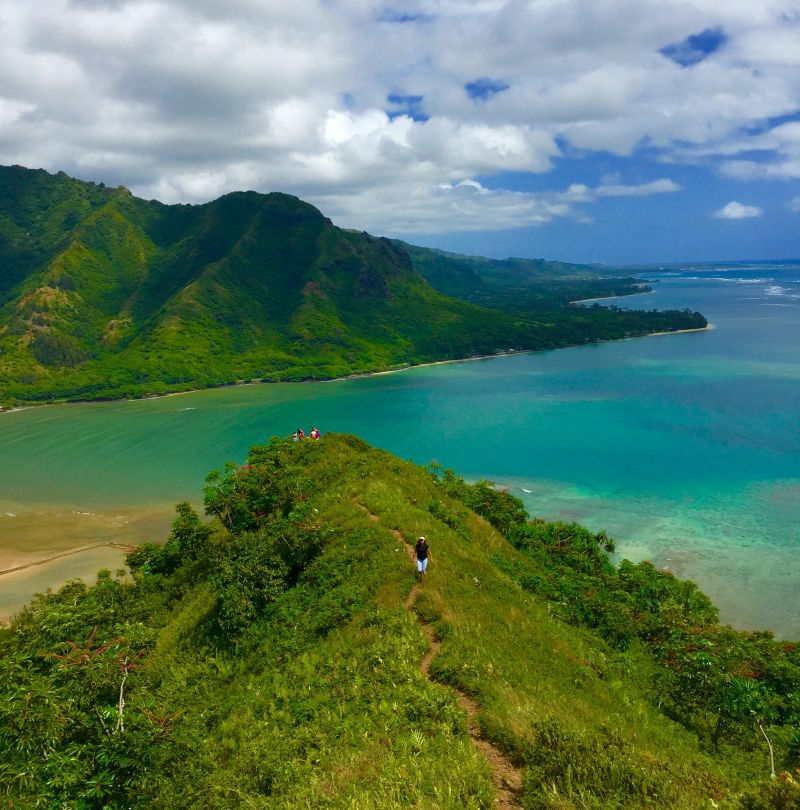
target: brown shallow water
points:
(43, 547)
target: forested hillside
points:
(283, 655)
(105, 295)
(461, 276)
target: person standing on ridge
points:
(422, 553)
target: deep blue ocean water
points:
(685, 447)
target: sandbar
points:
(42, 546)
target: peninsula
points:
(104, 295)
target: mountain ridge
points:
(281, 654)
(105, 295)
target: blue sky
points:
(624, 131)
(671, 227)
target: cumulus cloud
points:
(735, 210)
(386, 114)
(470, 206)
(464, 206)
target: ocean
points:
(684, 447)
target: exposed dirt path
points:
(506, 776)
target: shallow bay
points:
(686, 448)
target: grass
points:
(319, 702)
(541, 684)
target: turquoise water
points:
(685, 447)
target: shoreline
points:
(355, 376)
(71, 550)
(610, 297)
(409, 366)
(707, 328)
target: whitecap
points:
(775, 290)
(529, 491)
(709, 278)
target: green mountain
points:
(283, 655)
(462, 276)
(106, 295)
(527, 288)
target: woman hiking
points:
(422, 554)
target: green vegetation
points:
(266, 659)
(463, 276)
(103, 295)
(544, 292)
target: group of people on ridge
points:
(301, 434)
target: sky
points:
(618, 131)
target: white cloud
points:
(735, 210)
(782, 169)
(464, 206)
(661, 186)
(188, 99)
(469, 206)
(794, 204)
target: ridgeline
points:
(282, 655)
(104, 295)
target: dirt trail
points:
(506, 776)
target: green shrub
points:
(56, 350)
(589, 769)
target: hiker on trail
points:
(315, 434)
(301, 433)
(422, 553)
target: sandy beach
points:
(32, 534)
(705, 328)
(609, 297)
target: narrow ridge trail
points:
(506, 776)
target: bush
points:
(590, 769)
(54, 349)
(777, 794)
